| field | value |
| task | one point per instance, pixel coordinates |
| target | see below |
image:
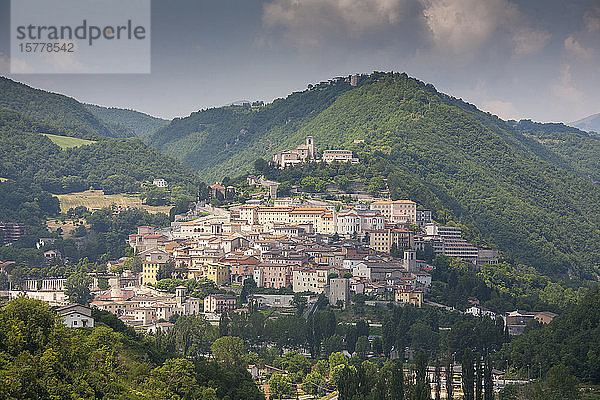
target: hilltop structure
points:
(308, 152)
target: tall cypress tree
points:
(478, 378)
(397, 381)
(438, 380)
(421, 389)
(468, 375)
(488, 382)
(449, 378)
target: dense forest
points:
(135, 122)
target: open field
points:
(66, 142)
(96, 199)
(68, 226)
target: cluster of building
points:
(369, 249)
(308, 152)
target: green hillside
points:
(66, 142)
(512, 191)
(135, 122)
(29, 154)
(56, 109)
(227, 140)
(579, 149)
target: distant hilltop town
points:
(308, 152)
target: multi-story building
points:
(273, 215)
(306, 215)
(309, 279)
(217, 272)
(397, 211)
(378, 270)
(342, 156)
(338, 291)
(10, 232)
(249, 214)
(302, 153)
(454, 244)
(424, 217)
(273, 275)
(219, 303)
(414, 297)
(357, 221)
(152, 262)
(384, 239)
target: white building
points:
(76, 316)
(397, 211)
(161, 183)
(356, 221)
(341, 156)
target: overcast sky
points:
(537, 59)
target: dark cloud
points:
(518, 58)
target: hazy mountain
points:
(591, 123)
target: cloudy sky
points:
(537, 59)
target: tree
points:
(314, 384)
(450, 377)
(468, 375)
(397, 381)
(174, 379)
(300, 303)
(230, 351)
(561, 384)
(421, 388)
(77, 288)
(331, 345)
(363, 346)
(377, 346)
(488, 383)
(336, 359)
(478, 378)
(279, 385)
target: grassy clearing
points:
(68, 226)
(66, 142)
(96, 199)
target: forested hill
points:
(227, 140)
(114, 165)
(55, 109)
(580, 149)
(137, 123)
(536, 203)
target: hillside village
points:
(290, 246)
